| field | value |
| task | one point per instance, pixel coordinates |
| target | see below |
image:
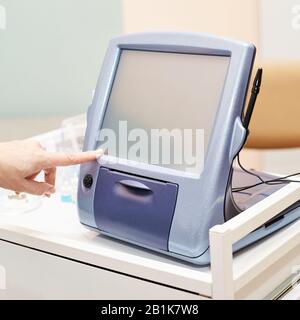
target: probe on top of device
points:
(254, 93)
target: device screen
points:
(162, 107)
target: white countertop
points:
(54, 227)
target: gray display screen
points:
(160, 94)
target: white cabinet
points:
(32, 274)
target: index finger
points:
(71, 158)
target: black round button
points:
(88, 181)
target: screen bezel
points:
(170, 51)
(183, 49)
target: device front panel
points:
(156, 124)
(160, 113)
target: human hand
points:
(22, 160)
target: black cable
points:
(240, 189)
(275, 181)
(247, 171)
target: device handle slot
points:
(135, 185)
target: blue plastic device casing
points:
(175, 214)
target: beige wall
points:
(232, 18)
